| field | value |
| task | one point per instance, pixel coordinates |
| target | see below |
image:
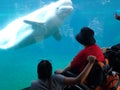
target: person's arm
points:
(73, 64)
(117, 16)
(62, 71)
(83, 75)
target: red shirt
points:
(80, 60)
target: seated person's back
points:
(47, 81)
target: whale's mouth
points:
(66, 8)
(64, 11)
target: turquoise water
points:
(18, 67)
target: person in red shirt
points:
(86, 38)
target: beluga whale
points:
(36, 26)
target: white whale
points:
(36, 26)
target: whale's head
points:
(64, 8)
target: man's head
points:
(86, 36)
(44, 69)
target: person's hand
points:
(91, 59)
(103, 50)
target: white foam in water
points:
(38, 25)
(105, 1)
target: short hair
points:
(44, 69)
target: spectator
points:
(47, 81)
(86, 38)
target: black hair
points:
(44, 69)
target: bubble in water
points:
(105, 1)
(67, 31)
(96, 25)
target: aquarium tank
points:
(22, 45)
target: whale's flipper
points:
(57, 35)
(35, 25)
(38, 26)
(32, 22)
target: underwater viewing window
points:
(31, 30)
